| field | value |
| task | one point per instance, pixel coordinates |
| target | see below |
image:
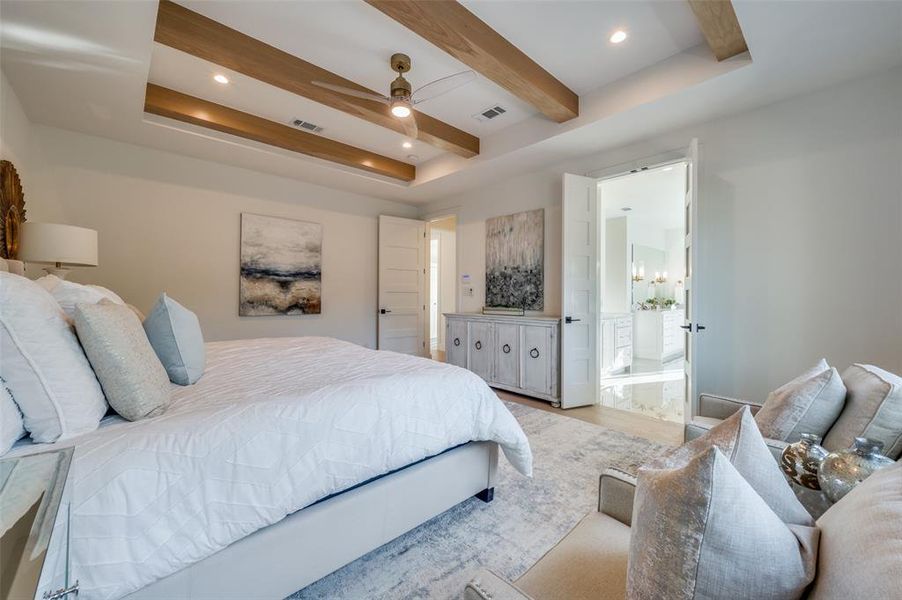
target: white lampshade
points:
(58, 244)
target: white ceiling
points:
(655, 197)
(83, 65)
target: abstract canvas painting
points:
(515, 260)
(281, 266)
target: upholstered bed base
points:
(311, 543)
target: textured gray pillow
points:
(861, 541)
(701, 531)
(176, 337)
(807, 406)
(873, 410)
(132, 378)
(741, 442)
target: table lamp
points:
(58, 245)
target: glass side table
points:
(34, 527)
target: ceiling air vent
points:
(492, 112)
(306, 126)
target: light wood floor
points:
(650, 428)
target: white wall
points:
(171, 223)
(513, 196)
(15, 138)
(800, 213)
(617, 263)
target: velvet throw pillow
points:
(176, 337)
(708, 514)
(739, 439)
(809, 403)
(134, 381)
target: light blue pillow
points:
(176, 337)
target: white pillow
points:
(43, 364)
(69, 293)
(11, 428)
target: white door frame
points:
(429, 220)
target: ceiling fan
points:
(400, 98)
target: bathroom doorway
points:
(642, 250)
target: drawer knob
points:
(457, 341)
(506, 348)
(534, 353)
(478, 345)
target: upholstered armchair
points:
(589, 563)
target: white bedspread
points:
(273, 426)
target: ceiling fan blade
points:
(351, 92)
(410, 126)
(442, 86)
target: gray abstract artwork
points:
(281, 266)
(514, 260)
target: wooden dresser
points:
(518, 354)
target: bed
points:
(288, 459)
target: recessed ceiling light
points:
(618, 36)
(407, 145)
(221, 79)
(413, 157)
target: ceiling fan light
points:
(400, 109)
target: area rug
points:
(526, 518)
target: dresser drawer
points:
(624, 337)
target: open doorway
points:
(642, 232)
(442, 277)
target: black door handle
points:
(571, 320)
(534, 353)
(478, 345)
(700, 327)
(506, 348)
(457, 341)
(687, 327)
(384, 310)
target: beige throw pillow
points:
(135, 383)
(741, 442)
(803, 406)
(701, 530)
(860, 554)
(873, 410)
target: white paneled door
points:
(402, 289)
(691, 325)
(579, 333)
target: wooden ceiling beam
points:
(719, 25)
(450, 26)
(188, 109)
(195, 34)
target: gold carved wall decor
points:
(12, 210)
